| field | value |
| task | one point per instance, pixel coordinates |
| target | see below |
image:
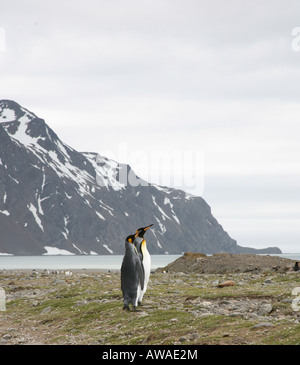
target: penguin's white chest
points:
(147, 265)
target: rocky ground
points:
(244, 307)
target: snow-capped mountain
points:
(54, 199)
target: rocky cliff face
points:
(54, 199)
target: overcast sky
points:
(211, 86)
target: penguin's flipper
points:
(141, 273)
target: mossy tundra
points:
(86, 308)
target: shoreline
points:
(58, 271)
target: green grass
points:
(88, 310)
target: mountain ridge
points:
(52, 196)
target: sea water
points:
(69, 262)
(89, 262)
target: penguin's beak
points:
(142, 230)
(145, 229)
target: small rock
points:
(227, 283)
(46, 310)
(194, 336)
(265, 309)
(243, 308)
(236, 314)
(205, 304)
(182, 339)
(6, 337)
(143, 314)
(224, 301)
(223, 312)
(263, 324)
(11, 329)
(80, 303)
(267, 281)
(252, 315)
(206, 314)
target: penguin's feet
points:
(126, 307)
(134, 309)
(140, 304)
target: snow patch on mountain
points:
(33, 210)
(161, 226)
(21, 136)
(107, 171)
(7, 115)
(5, 212)
(56, 251)
(108, 249)
(160, 209)
(167, 201)
(4, 197)
(99, 215)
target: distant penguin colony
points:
(135, 269)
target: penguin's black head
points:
(130, 238)
(141, 231)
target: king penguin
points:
(140, 244)
(132, 275)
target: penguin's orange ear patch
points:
(130, 240)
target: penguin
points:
(140, 244)
(132, 275)
(296, 266)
